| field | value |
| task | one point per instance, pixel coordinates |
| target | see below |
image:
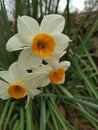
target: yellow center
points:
(16, 90)
(56, 76)
(43, 44)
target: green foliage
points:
(79, 92)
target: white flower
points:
(17, 83)
(38, 41)
(52, 74)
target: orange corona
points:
(43, 44)
(16, 90)
(56, 76)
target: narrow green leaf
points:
(9, 115)
(3, 115)
(22, 120)
(43, 115)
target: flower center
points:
(43, 44)
(56, 76)
(16, 90)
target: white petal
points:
(65, 64)
(58, 55)
(33, 92)
(62, 42)
(61, 54)
(5, 76)
(52, 61)
(27, 26)
(52, 23)
(16, 72)
(41, 75)
(14, 43)
(41, 69)
(35, 80)
(3, 90)
(45, 82)
(42, 79)
(26, 40)
(28, 60)
(3, 84)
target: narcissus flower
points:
(37, 41)
(53, 74)
(17, 83)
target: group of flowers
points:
(42, 47)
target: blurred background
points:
(74, 6)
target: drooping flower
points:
(37, 41)
(17, 82)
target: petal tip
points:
(9, 48)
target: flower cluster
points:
(38, 43)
